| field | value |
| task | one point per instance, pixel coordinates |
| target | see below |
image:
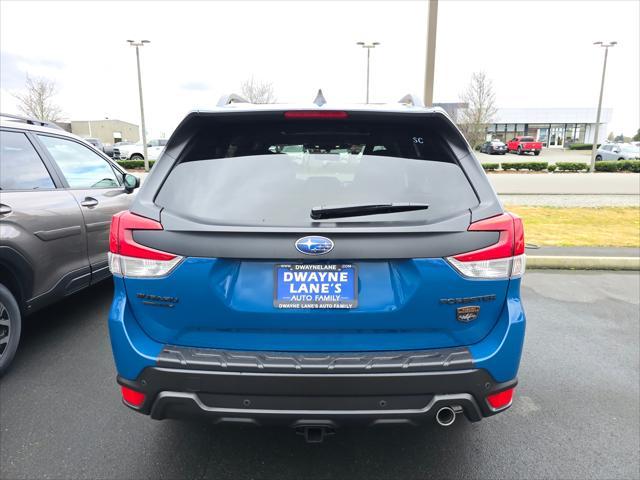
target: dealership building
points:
(554, 127)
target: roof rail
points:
(412, 100)
(230, 98)
(31, 121)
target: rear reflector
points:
(500, 400)
(132, 397)
(130, 259)
(503, 259)
(328, 114)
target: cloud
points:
(11, 76)
(192, 64)
(195, 86)
(14, 68)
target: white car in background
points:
(136, 151)
(618, 151)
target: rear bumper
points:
(328, 399)
(287, 387)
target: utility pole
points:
(429, 73)
(368, 46)
(139, 44)
(594, 148)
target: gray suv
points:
(57, 196)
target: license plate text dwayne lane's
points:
(311, 285)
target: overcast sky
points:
(538, 53)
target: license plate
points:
(315, 286)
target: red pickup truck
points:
(522, 145)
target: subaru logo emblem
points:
(314, 245)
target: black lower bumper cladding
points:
(270, 388)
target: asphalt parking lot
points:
(576, 412)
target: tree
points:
(636, 137)
(611, 136)
(37, 100)
(480, 110)
(257, 91)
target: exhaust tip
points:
(446, 416)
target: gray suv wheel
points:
(10, 325)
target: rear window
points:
(526, 139)
(273, 174)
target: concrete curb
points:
(583, 263)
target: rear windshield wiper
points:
(341, 211)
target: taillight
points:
(500, 400)
(503, 259)
(130, 259)
(132, 397)
(328, 114)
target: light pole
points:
(597, 131)
(368, 46)
(431, 52)
(139, 44)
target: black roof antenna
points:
(320, 100)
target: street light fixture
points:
(139, 44)
(606, 46)
(368, 46)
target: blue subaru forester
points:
(315, 266)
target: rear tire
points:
(137, 156)
(10, 327)
(536, 153)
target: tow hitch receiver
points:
(314, 433)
